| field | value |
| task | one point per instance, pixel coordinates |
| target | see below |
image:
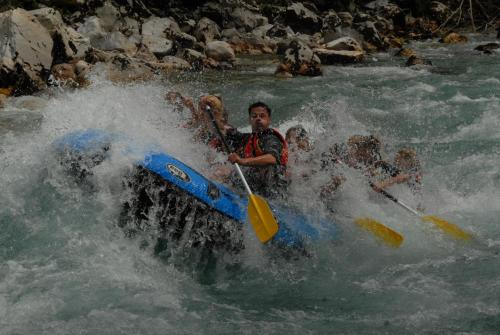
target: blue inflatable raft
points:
(174, 197)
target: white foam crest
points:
(262, 95)
(491, 80)
(485, 127)
(421, 88)
(461, 98)
(382, 72)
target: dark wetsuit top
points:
(268, 181)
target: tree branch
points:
(472, 16)
(451, 16)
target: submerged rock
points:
(487, 48)
(416, 60)
(406, 52)
(453, 38)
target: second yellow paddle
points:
(442, 224)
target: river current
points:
(67, 268)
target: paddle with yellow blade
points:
(444, 225)
(381, 231)
(259, 213)
(384, 233)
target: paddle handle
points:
(396, 200)
(214, 123)
(226, 147)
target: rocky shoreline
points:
(47, 43)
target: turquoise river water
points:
(66, 268)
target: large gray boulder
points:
(261, 31)
(160, 26)
(384, 8)
(25, 51)
(332, 57)
(109, 16)
(183, 40)
(220, 51)
(302, 19)
(156, 33)
(115, 40)
(280, 31)
(299, 59)
(246, 19)
(346, 19)
(371, 34)
(159, 46)
(103, 39)
(344, 43)
(207, 30)
(331, 20)
(195, 58)
(68, 43)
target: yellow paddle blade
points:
(447, 227)
(261, 217)
(386, 234)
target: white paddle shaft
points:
(242, 176)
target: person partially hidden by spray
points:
(263, 153)
(199, 120)
(363, 153)
(300, 150)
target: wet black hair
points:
(259, 104)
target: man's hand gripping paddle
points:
(259, 213)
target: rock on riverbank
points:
(139, 39)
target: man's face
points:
(259, 119)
